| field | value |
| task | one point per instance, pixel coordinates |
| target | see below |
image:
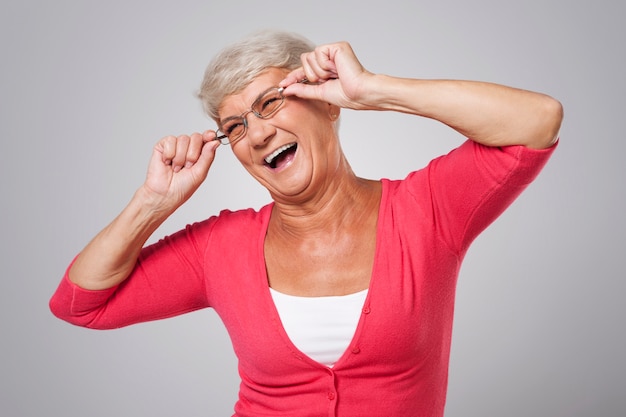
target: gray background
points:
(88, 87)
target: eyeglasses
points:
(266, 104)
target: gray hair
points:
(238, 65)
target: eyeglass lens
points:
(263, 107)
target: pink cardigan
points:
(397, 363)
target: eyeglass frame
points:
(243, 115)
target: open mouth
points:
(282, 156)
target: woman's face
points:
(293, 153)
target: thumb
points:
(207, 155)
(311, 91)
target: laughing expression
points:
(295, 151)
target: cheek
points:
(242, 153)
(306, 120)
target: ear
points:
(333, 112)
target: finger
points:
(207, 155)
(293, 77)
(324, 63)
(159, 169)
(179, 159)
(313, 71)
(319, 64)
(167, 148)
(305, 90)
(325, 56)
(209, 135)
(193, 151)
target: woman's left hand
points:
(490, 114)
(331, 73)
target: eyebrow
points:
(222, 121)
(229, 118)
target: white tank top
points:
(320, 327)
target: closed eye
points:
(232, 126)
(269, 103)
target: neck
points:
(346, 201)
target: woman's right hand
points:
(179, 164)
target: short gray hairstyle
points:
(236, 66)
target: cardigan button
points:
(366, 310)
(331, 396)
(356, 350)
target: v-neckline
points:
(366, 308)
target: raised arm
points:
(177, 168)
(490, 114)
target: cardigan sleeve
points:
(167, 280)
(473, 184)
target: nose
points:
(259, 131)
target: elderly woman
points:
(338, 295)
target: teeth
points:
(269, 158)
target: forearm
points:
(490, 114)
(177, 168)
(111, 255)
